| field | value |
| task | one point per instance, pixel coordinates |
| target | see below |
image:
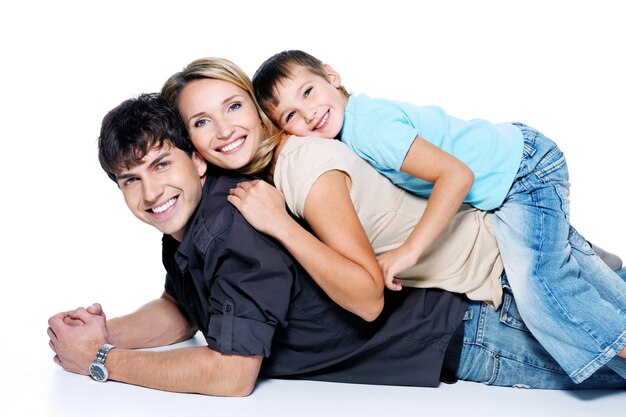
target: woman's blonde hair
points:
(225, 70)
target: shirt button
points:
(228, 308)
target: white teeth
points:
(232, 145)
(165, 206)
(323, 121)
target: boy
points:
(508, 168)
(240, 289)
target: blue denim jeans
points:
(570, 300)
(499, 350)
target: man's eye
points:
(289, 117)
(162, 165)
(129, 181)
(307, 92)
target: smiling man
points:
(260, 313)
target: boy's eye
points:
(289, 117)
(307, 92)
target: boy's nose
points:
(311, 116)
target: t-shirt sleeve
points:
(383, 136)
(251, 280)
(300, 167)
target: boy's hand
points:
(394, 262)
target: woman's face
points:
(222, 122)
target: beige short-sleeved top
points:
(465, 257)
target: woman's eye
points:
(234, 106)
(307, 91)
(200, 123)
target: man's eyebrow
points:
(226, 100)
(154, 162)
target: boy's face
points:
(222, 121)
(309, 105)
(164, 189)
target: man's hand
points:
(71, 319)
(76, 336)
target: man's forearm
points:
(194, 370)
(157, 323)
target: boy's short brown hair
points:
(279, 67)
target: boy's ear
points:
(333, 75)
(201, 164)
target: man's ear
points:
(333, 75)
(201, 163)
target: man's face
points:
(164, 189)
(310, 105)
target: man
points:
(260, 313)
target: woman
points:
(328, 187)
(230, 132)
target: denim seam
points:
(609, 353)
(480, 333)
(547, 170)
(495, 370)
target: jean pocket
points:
(509, 314)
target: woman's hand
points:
(262, 205)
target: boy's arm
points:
(195, 369)
(452, 181)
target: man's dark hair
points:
(135, 127)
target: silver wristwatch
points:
(97, 369)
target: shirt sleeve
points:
(383, 135)
(302, 165)
(250, 289)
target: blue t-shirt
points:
(382, 131)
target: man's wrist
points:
(98, 369)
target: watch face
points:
(98, 372)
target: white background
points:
(68, 238)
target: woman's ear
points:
(333, 76)
(201, 163)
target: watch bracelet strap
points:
(103, 352)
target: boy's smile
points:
(309, 105)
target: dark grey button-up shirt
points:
(249, 297)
